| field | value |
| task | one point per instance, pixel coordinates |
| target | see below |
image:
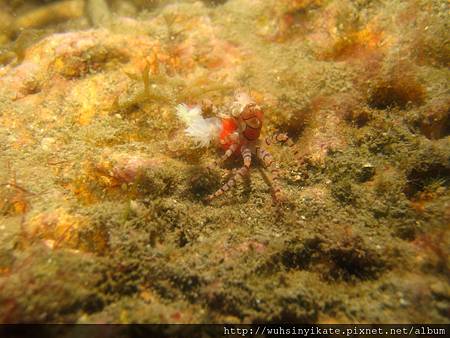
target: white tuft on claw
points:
(201, 130)
(187, 114)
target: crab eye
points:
(254, 122)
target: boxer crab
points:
(237, 133)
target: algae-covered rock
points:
(43, 286)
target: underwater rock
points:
(324, 130)
(14, 201)
(6, 26)
(119, 168)
(397, 89)
(149, 308)
(98, 13)
(434, 118)
(287, 20)
(52, 13)
(44, 285)
(62, 229)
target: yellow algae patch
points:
(86, 114)
(82, 186)
(58, 65)
(369, 37)
(61, 229)
(88, 96)
(82, 189)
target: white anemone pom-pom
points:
(201, 130)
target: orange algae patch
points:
(14, 202)
(356, 45)
(83, 191)
(61, 229)
(86, 116)
(82, 186)
(20, 206)
(419, 203)
(156, 57)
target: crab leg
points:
(239, 174)
(283, 139)
(224, 157)
(270, 164)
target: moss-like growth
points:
(157, 182)
(397, 88)
(44, 286)
(202, 182)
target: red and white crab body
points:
(237, 133)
